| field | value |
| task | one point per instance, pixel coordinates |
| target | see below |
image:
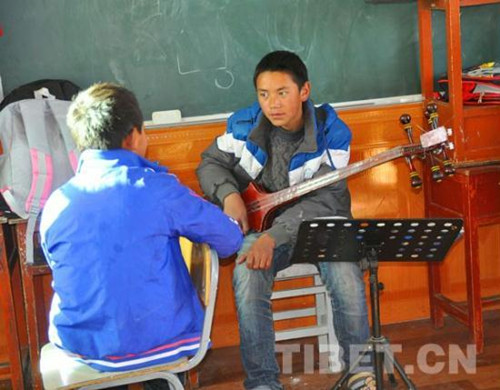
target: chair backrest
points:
(60, 371)
(208, 294)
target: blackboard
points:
(198, 55)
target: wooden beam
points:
(442, 4)
(427, 60)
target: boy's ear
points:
(305, 91)
(131, 140)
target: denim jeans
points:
(253, 289)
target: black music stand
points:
(369, 241)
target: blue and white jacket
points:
(239, 156)
(123, 297)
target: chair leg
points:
(32, 306)
(321, 316)
(193, 379)
(327, 342)
(32, 325)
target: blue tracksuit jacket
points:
(123, 297)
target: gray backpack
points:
(39, 155)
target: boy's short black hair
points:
(102, 116)
(282, 61)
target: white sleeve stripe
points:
(339, 157)
(227, 143)
(250, 164)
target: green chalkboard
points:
(198, 55)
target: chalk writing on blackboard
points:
(204, 52)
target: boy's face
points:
(281, 100)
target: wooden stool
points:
(322, 310)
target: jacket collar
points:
(93, 159)
(260, 133)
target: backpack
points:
(39, 155)
(58, 89)
(480, 84)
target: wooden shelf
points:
(441, 4)
(472, 110)
(472, 193)
(486, 110)
(475, 128)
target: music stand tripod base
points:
(369, 241)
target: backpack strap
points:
(15, 167)
(33, 115)
(59, 109)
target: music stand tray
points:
(395, 239)
(369, 241)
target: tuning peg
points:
(437, 174)
(432, 115)
(432, 107)
(405, 120)
(433, 120)
(448, 168)
(415, 179)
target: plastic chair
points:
(60, 371)
(322, 310)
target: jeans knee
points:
(251, 284)
(345, 285)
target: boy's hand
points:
(260, 254)
(235, 208)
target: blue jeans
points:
(253, 289)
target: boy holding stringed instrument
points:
(253, 171)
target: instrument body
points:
(261, 210)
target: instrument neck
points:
(298, 190)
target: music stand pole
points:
(371, 256)
(377, 344)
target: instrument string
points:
(288, 194)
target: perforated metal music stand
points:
(369, 241)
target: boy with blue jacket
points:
(123, 297)
(282, 140)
